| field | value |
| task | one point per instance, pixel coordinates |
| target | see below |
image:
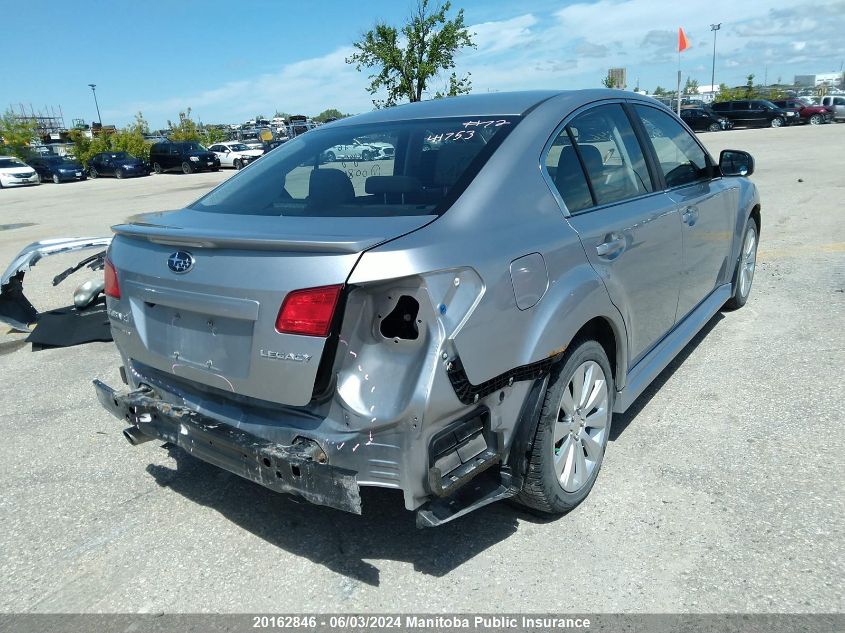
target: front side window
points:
(371, 170)
(681, 159)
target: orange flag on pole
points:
(683, 42)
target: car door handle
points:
(690, 216)
(613, 246)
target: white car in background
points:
(358, 150)
(14, 173)
(234, 154)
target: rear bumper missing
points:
(300, 468)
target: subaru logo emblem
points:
(180, 262)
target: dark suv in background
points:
(703, 119)
(189, 156)
(755, 112)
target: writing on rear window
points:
(486, 124)
(462, 135)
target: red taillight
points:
(308, 311)
(112, 288)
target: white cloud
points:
(571, 48)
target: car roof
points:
(486, 104)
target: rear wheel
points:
(777, 122)
(238, 164)
(186, 168)
(714, 127)
(330, 157)
(93, 172)
(366, 156)
(572, 433)
(157, 168)
(118, 173)
(56, 179)
(745, 267)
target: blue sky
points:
(231, 60)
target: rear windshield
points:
(385, 169)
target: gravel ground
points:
(721, 491)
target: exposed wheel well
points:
(755, 213)
(600, 330)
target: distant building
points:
(619, 77)
(811, 81)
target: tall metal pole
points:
(714, 28)
(94, 90)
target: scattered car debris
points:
(15, 309)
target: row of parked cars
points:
(763, 113)
(185, 156)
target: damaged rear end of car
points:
(251, 338)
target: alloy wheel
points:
(747, 262)
(56, 179)
(580, 432)
(777, 122)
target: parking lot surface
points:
(721, 490)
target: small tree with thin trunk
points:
(406, 60)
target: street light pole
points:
(714, 28)
(94, 90)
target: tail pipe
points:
(134, 436)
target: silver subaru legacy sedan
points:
(458, 320)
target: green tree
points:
(331, 113)
(129, 139)
(16, 135)
(691, 87)
(659, 91)
(609, 82)
(185, 129)
(212, 134)
(406, 60)
(749, 86)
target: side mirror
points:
(734, 162)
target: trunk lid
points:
(214, 323)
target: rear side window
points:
(601, 144)
(372, 170)
(681, 159)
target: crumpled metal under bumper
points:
(299, 468)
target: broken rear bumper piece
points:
(15, 309)
(299, 469)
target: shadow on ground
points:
(342, 542)
(621, 422)
(335, 539)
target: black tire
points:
(92, 172)
(157, 168)
(366, 156)
(237, 164)
(741, 292)
(777, 122)
(542, 489)
(186, 168)
(330, 157)
(56, 179)
(715, 127)
(816, 119)
(118, 173)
